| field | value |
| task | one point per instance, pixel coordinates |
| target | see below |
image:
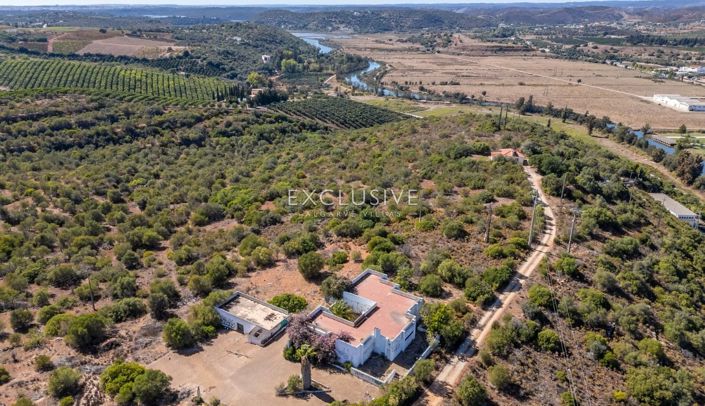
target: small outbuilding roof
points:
(255, 311)
(671, 205)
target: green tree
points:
(470, 392)
(177, 334)
(256, 79)
(310, 265)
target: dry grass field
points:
(602, 90)
(130, 46)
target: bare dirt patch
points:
(131, 46)
(237, 372)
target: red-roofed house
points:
(387, 321)
(509, 153)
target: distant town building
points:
(691, 70)
(678, 210)
(509, 153)
(386, 323)
(246, 314)
(680, 103)
(266, 58)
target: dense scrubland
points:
(150, 215)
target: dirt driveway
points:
(239, 373)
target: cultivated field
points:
(130, 46)
(602, 90)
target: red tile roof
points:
(390, 316)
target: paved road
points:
(451, 374)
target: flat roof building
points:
(258, 319)
(680, 103)
(678, 210)
(386, 323)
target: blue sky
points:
(250, 2)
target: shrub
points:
(342, 309)
(499, 377)
(177, 334)
(294, 384)
(470, 392)
(567, 399)
(478, 291)
(42, 363)
(566, 265)
(21, 319)
(263, 257)
(424, 370)
(119, 374)
(63, 276)
(454, 230)
(548, 340)
(498, 277)
(338, 258)
(540, 295)
(63, 382)
(334, 286)
(289, 302)
(452, 272)
(86, 331)
(4, 376)
(431, 285)
(158, 305)
(58, 325)
(310, 265)
(23, 401)
(124, 309)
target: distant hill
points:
(372, 20)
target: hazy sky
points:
(251, 2)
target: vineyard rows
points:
(55, 74)
(339, 112)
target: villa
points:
(386, 323)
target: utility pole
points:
(572, 229)
(489, 222)
(533, 219)
(565, 176)
(90, 288)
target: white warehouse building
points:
(680, 103)
(676, 209)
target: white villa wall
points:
(230, 321)
(357, 303)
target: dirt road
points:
(448, 378)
